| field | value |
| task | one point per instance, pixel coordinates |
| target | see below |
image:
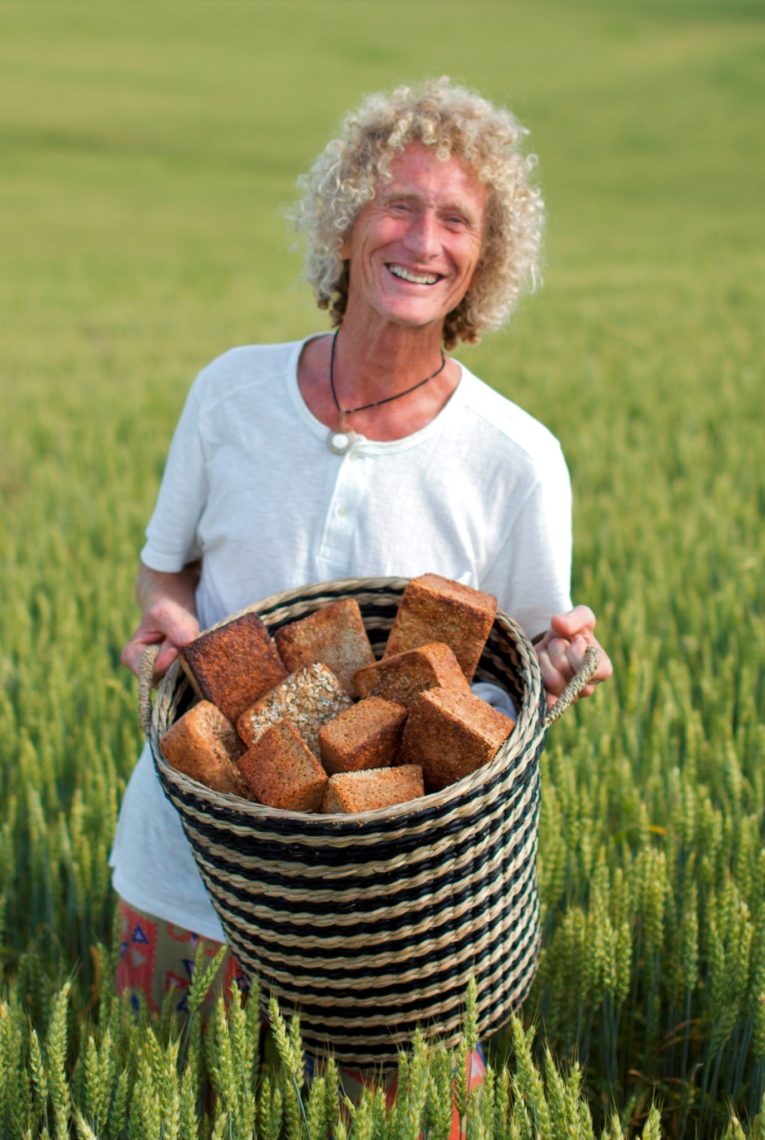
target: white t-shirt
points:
(481, 495)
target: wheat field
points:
(147, 154)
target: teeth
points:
(415, 278)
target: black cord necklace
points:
(341, 438)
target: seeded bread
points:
(204, 745)
(372, 788)
(437, 609)
(402, 676)
(308, 698)
(367, 735)
(451, 734)
(233, 664)
(282, 771)
(334, 635)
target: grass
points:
(148, 151)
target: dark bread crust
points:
(233, 664)
(451, 734)
(437, 609)
(372, 788)
(402, 676)
(367, 735)
(334, 635)
(204, 745)
(282, 772)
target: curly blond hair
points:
(454, 121)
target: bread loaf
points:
(437, 609)
(451, 734)
(308, 698)
(372, 788)
(233, 664)
(282, 771)
(367, 735)
(414, 708)
(335, 635)
(402, 676)
(204, 745)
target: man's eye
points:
(400, 207)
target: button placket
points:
(349, 493)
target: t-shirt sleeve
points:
(531, 573)
(172, 533)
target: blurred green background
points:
(148, 149)
(148, 152)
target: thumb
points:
(579, 620)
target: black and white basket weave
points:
(372, 925)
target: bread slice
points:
(334, 635)
(367, 735)
(437, 609)
(281, 770)
(372, 788)
(451, 734)
(233, 664)
(204, 745)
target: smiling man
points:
(365, 452)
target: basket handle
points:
(575, 685)
(145, 679)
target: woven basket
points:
(372, 925)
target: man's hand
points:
(561, 652)
(169, 616)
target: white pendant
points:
(340, 442)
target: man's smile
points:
(416, 278)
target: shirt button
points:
(342, 512)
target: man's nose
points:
(422, 236)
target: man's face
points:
(414, 248)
